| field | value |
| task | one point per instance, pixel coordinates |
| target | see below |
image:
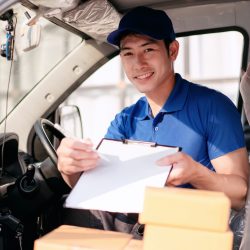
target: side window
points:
(213, 60)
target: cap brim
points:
(115, 36)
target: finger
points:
(78, 159)
(173, 183)
(71, 166)
(170, 179)
(169, 184)
(169, 159)
(75, 149)
(84, 144)
(87, 140)
(173, 180)
(79, 154)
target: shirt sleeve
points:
(116, 129)
(224, 128)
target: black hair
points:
(167, 44)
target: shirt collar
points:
(175, 101)
(143, 109)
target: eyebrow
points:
(151, 41)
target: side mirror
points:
(69, 117)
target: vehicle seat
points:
(245, 93)
(243, 236)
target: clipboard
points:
(118, 182)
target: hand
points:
(184, 170)
(76, 156)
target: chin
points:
(143, 88)
(144, 91)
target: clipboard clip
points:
(150, 144)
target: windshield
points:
(29, 67)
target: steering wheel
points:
(41, 126)
(41, 185)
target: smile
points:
(144, 76)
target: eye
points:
(128, 53)
(148, 50)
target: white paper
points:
(117, 184)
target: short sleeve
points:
(224, 129)
(116, 129)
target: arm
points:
(231, 176)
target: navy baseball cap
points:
(146, 21)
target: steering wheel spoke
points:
(41, 127)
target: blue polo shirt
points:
(203, 122)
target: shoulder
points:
(204, 92)
(195, 94)
(209, 98)
(212, 108)
(219, 118)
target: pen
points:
(64, 131)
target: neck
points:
(157, 100)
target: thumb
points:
(166, 160)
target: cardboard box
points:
(186, 208)
(134, 245)
(174, 238)
(71, 238)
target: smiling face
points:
(148, 65)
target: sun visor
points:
(63, 5)
(96, 18)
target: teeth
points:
(144, 76)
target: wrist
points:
(200, 176)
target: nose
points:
(140, 60)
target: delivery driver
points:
(174, 111)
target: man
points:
(174, 112)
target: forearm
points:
(234, 186)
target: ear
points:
(174, 49)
